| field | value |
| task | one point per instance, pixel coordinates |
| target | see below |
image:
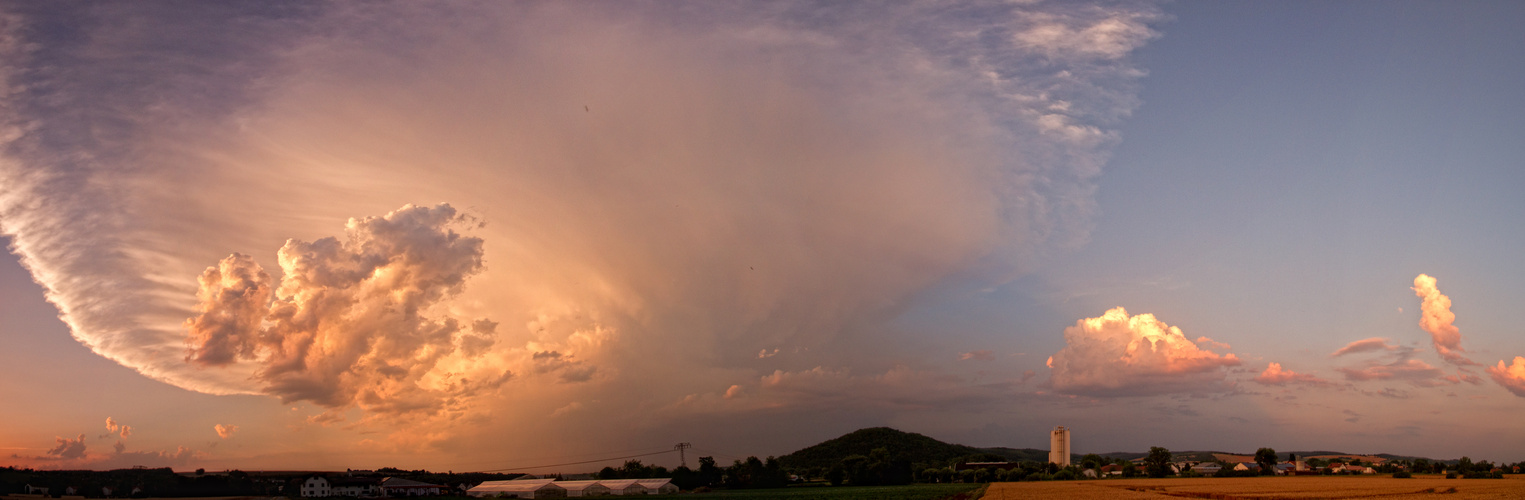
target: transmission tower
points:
(681, 457)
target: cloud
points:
(980, 355)
(1512, 376)
(113, 428)
(351, 321)
(1365, 345)
(1275, 375)
(225, 431)
(69, 449)
(669, 190)
(1107, 38)
(1436, 317)
(1120, 355)
(1413, 370)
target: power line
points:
(581, 463)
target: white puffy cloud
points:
(1436, 317)
(354, 321)
(1121, 355)
(115, 428)
(1510, 376)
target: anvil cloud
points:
(587, 190)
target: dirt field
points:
(1268, 488)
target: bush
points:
(1064, 475)
(1450, 475)
(1402, 474)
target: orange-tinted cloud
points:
(225, 431)
(1512, 376)
(1118, 354)
(114, 428)
(69, 449)
(1412, 370)
(980, 355)
(353, 320)
(1436, 317)
(1276, 375)
(1365, 345)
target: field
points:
(1268, 488)
(910, 492)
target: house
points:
(625, 487)
(583, 488)
(658, 486)
(399, 487)
(1111, 470)
(358, 487)
(1247, 466)
(317, 487)
(36, 490)
(1206, 468)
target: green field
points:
(909, 492)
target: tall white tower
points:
(1059, 446)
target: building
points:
(356, 487)
(519, 488)
(317, 487)
(583, 488)
(625, 487)
(1059, 446)
(398, 487)
(658, 486)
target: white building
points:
(317, 487)
(1059, 446)
(519, 488)
(583, 488)
(658, 486)
(625, 487)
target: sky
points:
(501, 236)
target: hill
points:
(907, 446)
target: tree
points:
(1158, 462)
(1266, 457)
(1091, 461)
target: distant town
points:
(867, 457)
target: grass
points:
(909, 492)
(1269, 488)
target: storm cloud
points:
(656, 193)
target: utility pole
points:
(681, 457)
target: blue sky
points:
(934, 214)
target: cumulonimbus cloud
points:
(1274, 374)
(1117, 354)
(670, 189)
(1511, 376)
(1436, 317)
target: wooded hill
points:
(909, 447)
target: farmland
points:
(1268, 488)
(907, 492)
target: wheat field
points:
(1267, 488)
